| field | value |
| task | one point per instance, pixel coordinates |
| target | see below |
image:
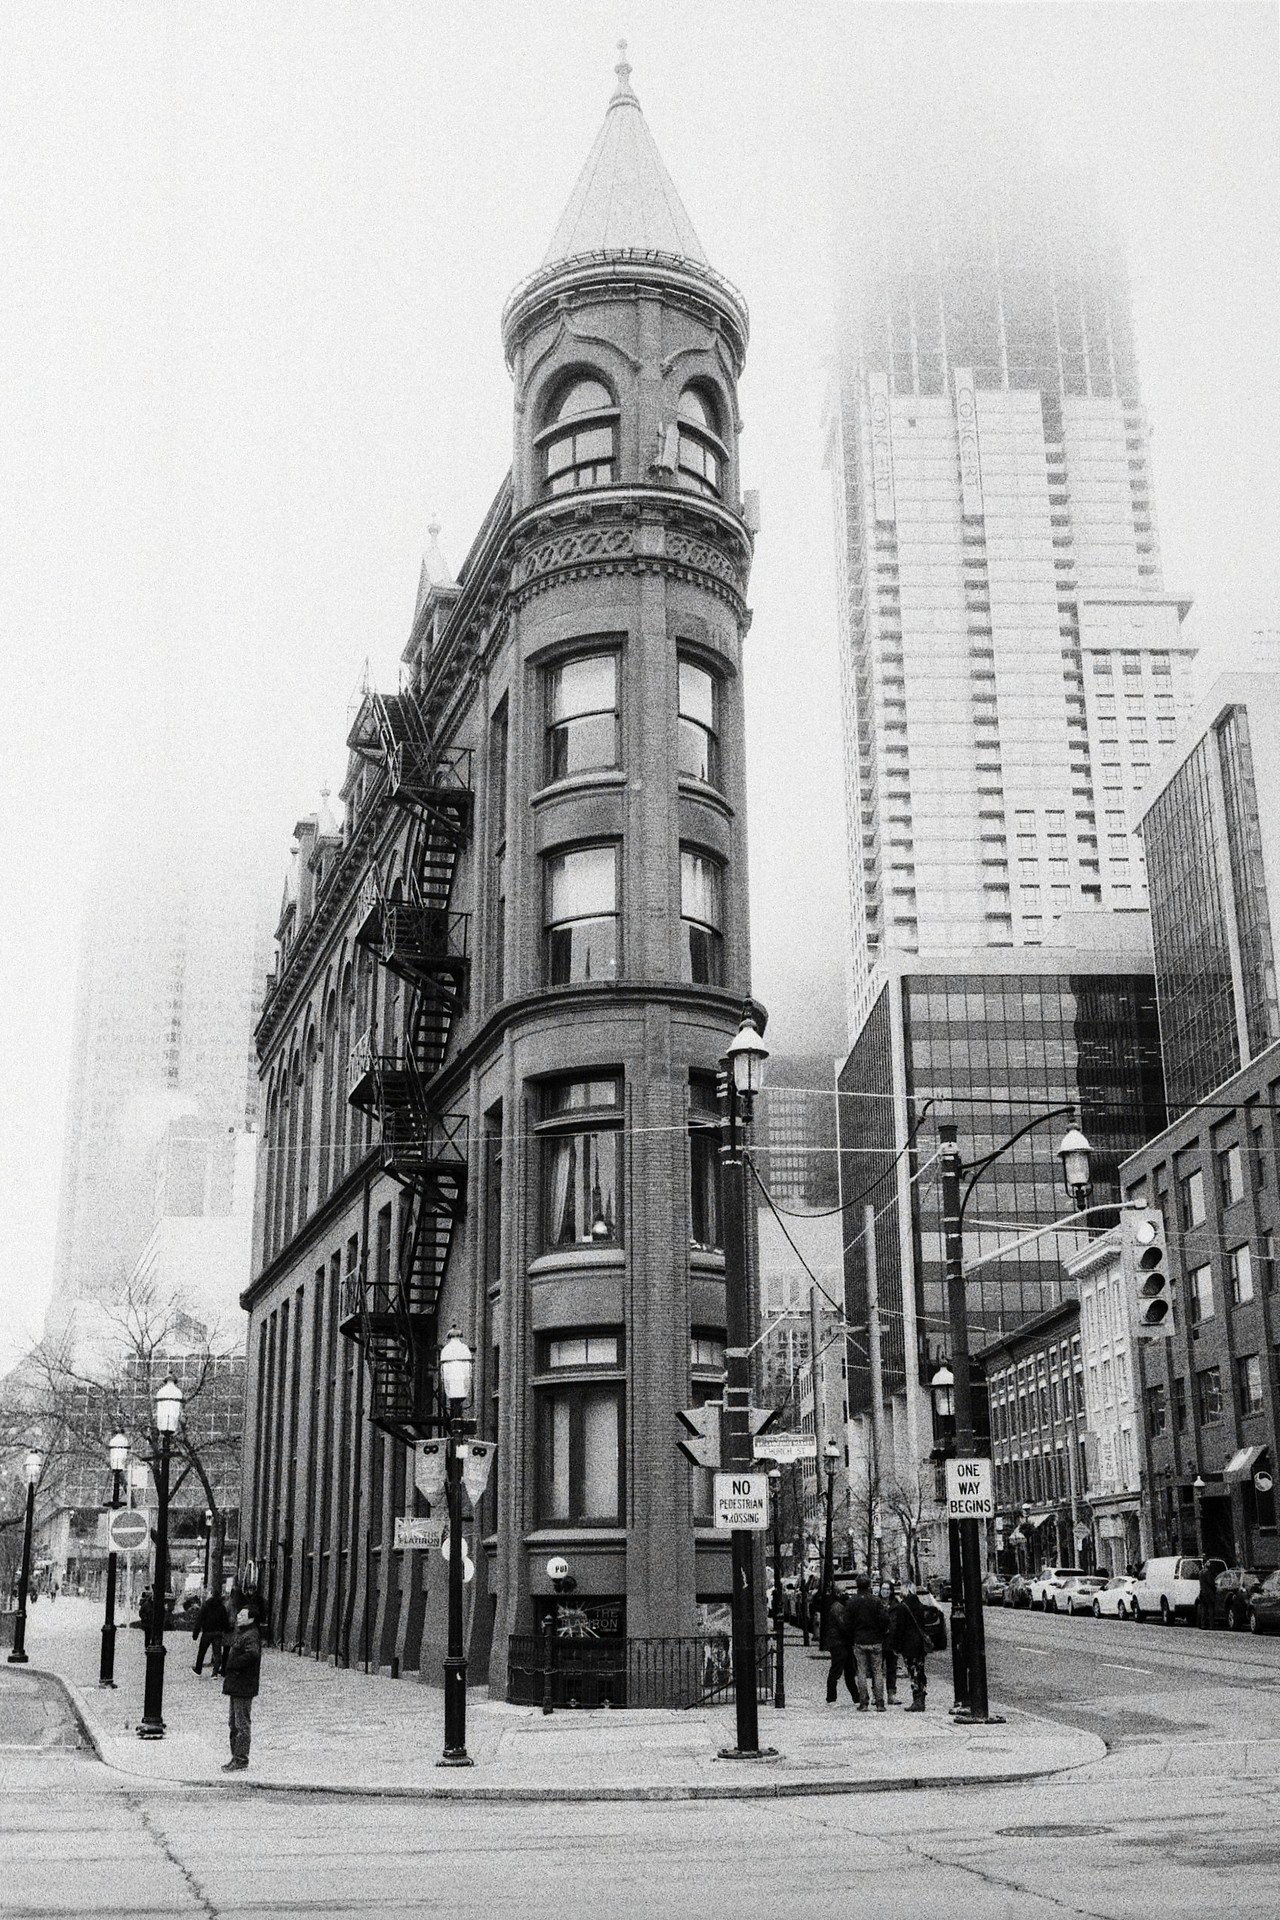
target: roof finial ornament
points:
(623, 71)
(433, 528)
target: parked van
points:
(1171, 1586)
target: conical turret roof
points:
(625, 200)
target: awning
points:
(1036, 1520)
(1241, 1464)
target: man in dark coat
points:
(211, 1629)
(240, 1674)
(147, 1614)
(868, 1621)
(909, 1637)
(840, 1648)
(1206, 1601)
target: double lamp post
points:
(953, 1390)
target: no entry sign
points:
(969, 1490)
(128, 1529)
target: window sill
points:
(568, 1259)
(704, 791)
(578, 783)
(706, 1260)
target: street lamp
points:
(31, 1466)
(741, 1078)
(779, 1617)
(965, 1546)
(943, 1388)
(456, 1364)
(117, 1460)
(168, 1418)
(830, 1454)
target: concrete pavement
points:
(319, 1729)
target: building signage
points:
(881, 446)
(969, 1490)
(417, 1533)
(785, 1448)
(1263, 1481)
(128, 1529)
(967, 431)
(742, 1501)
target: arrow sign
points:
(702, 1449)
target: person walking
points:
(147, 1613)
(213, 1623)
(867, 1620)
(840, 1648)
(909, 1636)
(241, 1671)
(1206, 1599)
(888, 1591)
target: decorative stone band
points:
(578, 552)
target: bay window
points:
(580, 448)
(700, 455)
(701, 916)
(581, 1185)
(582, 715)
(581, 915)
(699, 701)
(580, 1428)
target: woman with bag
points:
(911, 1637)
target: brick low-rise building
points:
(1035, 1393)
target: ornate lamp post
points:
(18, 1657)
(779, 1612)
(118, 1458)
(168, 1418)
(456, 1362)
(741, 1079)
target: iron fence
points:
(686, 1670)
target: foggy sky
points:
(256, 257)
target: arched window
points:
(342, 1114)
(306, 1184)
(273, 1154)
(291, 1182)
(580, 445)
(332, 1076)
(700, 455)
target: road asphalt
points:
(1163, 1826)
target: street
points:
(1177, 1819)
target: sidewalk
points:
(326, 1730)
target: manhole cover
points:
(1063, 1830)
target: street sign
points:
(128, 1529)
(969, 1494)
(418, 1533)
(742, 1501)
(785, 1448)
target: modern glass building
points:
(1211, 828)
(988, 1049)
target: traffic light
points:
(703, 1424)
(1146, 1266)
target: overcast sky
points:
(255, 259)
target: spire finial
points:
(433, 528)
(623, 71)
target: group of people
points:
(867, 1636)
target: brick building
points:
(505, 980)
(1035, 1392)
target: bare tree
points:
(909, 1497)
(78, 1405)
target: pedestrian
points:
(240, 1673)
(840, 1649)
(1208, 1590)
(909, 1636)
(212, 1626)
(147, 1614)
(867, 1619)
(889, 1594)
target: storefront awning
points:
(1242, 1463)
(1036, 1520)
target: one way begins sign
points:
(969, 1490)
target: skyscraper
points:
(1010, 664)
(1010, 660)
(174, 952)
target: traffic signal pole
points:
(964, 1532)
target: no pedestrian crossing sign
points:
(969, 1490)
(742, 1501)
(128, 1529)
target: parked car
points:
(993, 1590)
(1231, 1597)
(1018, 1591)
(1170, 1586)
(1077, 1595)
(1047, 1586)
(1264, 1605)
(1115, 1600)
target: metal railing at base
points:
(689, 1670)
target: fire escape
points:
(416, 936)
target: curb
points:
(78, 1714)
